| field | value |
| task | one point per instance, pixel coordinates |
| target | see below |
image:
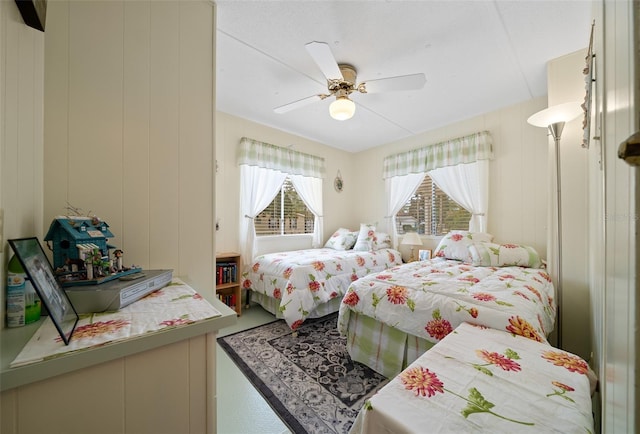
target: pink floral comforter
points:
(484, 380)
(429, 299)
(302, 280)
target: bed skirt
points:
(383, 348)
(272, 305)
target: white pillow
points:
(504, 255)
(455, 244)
(342, 239)
(365, 237)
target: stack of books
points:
(226, 272)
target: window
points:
(286, 214)
(431, 212)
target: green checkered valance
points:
(462, 150)
(254, 153)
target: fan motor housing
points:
(345, 86)
(348, 73)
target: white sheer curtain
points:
(310, 190)
(399, 189)
(263, 169)
(459, 167)
(258, 187)
(468, 185)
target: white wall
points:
(338, 207)
(21, 132)
(129, 109)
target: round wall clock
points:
(337, 183)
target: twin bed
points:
(484, 380)
(310, 283)
(392, 317)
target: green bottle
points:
(23, 303)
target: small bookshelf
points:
(228, 280)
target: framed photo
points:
(38, 269)
(423, 255)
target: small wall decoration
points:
(589, 82)
(337, 183)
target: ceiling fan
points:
(341, 82)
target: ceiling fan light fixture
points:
(342, 108)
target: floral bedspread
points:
(174, 305)
(484, 380)
(429, 299)
(304, 279)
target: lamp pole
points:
(556, 132)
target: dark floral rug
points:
(309, 379)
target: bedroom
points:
(143, 206)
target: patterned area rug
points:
(309, 379)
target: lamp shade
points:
(558, 113)
(342, 108)
(411, 238)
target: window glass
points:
(286, 214)
(431, 212)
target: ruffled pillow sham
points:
(455, 244)
(503, 255)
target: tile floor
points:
(241, 408)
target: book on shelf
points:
(226, 272)
(228, 299)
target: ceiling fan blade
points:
(300, 103)
(392, 84)
(322, 55)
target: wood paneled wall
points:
(21, 132)
(129, 125)
(618, 45)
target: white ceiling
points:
(478, 56)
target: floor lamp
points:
(554, 119)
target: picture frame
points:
(424, 255)
(34, 13)
(39, 271)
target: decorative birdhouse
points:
(71, 235)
